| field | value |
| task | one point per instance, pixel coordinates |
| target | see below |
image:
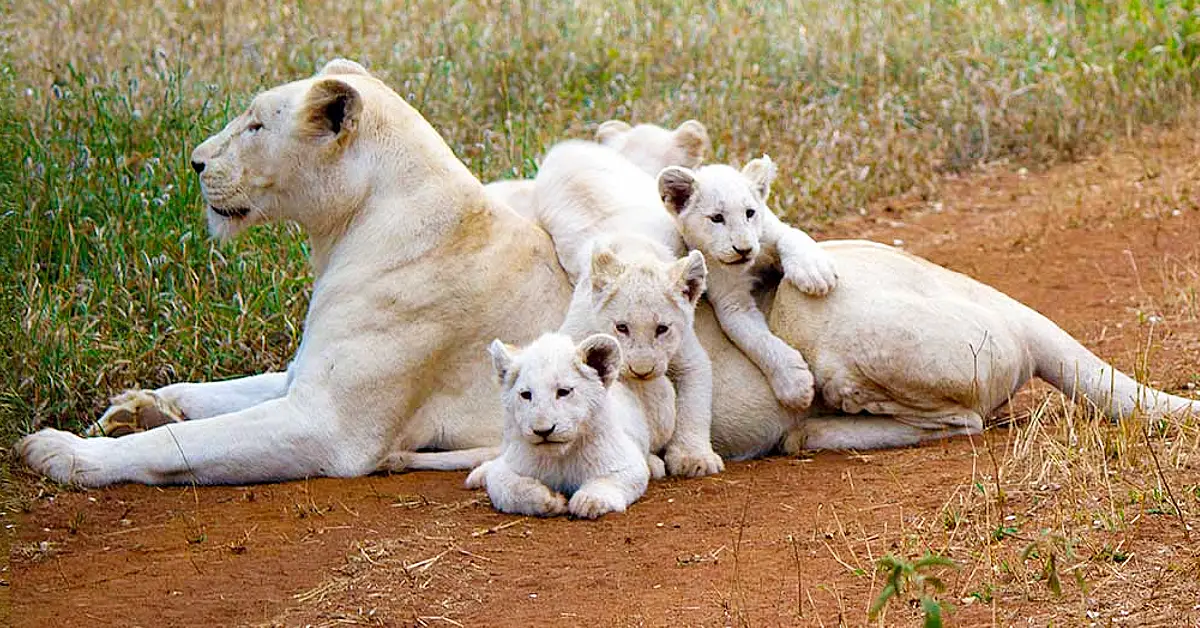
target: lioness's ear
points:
(676, 185)
(692, 137)
(606, 268)
(343, 66)
(610, 130)
(690, 275)
(331, 110)
(601, 353)
(502, 360)
(760, 172)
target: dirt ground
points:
(1099, 246)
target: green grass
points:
(109, 280)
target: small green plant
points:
(1048, 549)
(902, 575)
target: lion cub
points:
(723, 213)
(576, 439)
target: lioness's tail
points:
(1070, 367)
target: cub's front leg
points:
(803, 262)
(784, 366)
(514, 493)
(610, 493)
(689, 452)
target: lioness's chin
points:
(225, 224)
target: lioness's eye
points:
(622, 328)
(717, 218)
(661, 329)
(749, 213)
(254, 126)
(527, 395)
(563, 392)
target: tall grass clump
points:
(109, 280)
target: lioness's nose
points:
(198, 166)
(742, 252)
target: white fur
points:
(575, 438)
(723, 213)
(417, 270)
(615, 241)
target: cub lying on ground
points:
(723, 213)
(572, 431)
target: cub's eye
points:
(749, 213)
(526, 395)
(717, 218)
(661, 329)
(563, 392)
(622, 328)
(254, 126)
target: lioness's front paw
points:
(589, 504)
(814, 273)
(793, 385)
(135, 411)
(63, 457)
(693, 464)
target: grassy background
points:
(109, 280)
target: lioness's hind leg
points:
(878, 432)
(135, 411)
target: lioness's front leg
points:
(140, 410)
(689, 452)
(808, 266)
(784, 366)
(278, 440)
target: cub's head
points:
(718, 209)
(648, 305)
(552, 388)
(285, 157)
(652, 148)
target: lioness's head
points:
(647, 305)
(652, 148)
(291, 155)
(552, 388)
(718, 209)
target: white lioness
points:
(572, 430)
(417, 270)
(723, 213)
(588, 198)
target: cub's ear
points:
(761, 172)
(690, 276)
(343, 66)
(331, 110)
(676, 186)
(601, 353)
(502, 361)
(606, 267)
(609, 131)
(692, 137)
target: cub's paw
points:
(477, 478)
(64, 457)
(813, 273)
(526, 496)
(135, 411)
(693, 464)
(793, 384)
(590, 504)
(658, 468)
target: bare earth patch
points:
(1053, 516)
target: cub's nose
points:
(546, 432)
(742, 252)
(198, 166)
